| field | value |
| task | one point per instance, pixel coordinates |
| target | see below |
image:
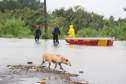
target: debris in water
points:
(81, 72)
(33, 68)
(42, 81)
(72, 77)
(78, 80)
(29, 62)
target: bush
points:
(15, 28)
(87, 32)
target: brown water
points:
(101, 65)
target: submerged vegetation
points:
(17, 18)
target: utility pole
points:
(45, 19)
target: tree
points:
(19, 4)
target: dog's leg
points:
(55, 66)
(42, 63)
(60, 66)
(49, 65)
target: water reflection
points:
(56, 45)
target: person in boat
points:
(56, 33)
(37, 33)
(71, 32)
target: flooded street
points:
(101, 65)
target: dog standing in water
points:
(56, 59)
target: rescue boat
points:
(87, 41)
(90, 41)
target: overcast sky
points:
(103, 7)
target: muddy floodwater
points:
(96, 64)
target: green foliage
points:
(87, 32)
(19, 4)
(17, 18)
(14, 28)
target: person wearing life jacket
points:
(71, 32)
